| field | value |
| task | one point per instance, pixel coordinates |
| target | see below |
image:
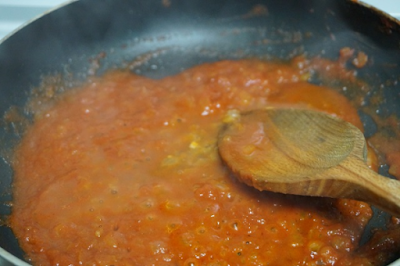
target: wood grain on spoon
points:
(304, 152)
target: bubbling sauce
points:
(125, 171)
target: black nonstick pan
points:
(88, 37)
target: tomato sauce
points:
(125, 171)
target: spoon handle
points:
(371, 187)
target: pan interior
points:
(161, 38)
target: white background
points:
(14, 13)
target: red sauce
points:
(125, 171)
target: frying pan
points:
(177, 34)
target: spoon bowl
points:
(304, 152)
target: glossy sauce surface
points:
(125, 171)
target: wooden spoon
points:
(304, 152)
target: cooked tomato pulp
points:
(125, 171)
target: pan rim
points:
(11, 258)
(36, 18)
